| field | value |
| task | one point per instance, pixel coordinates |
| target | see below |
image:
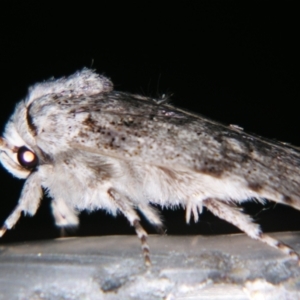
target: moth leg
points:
(152, 215)
(28, 203)
(64, 216)
(124, 206)
(245, 224)
(192, 209)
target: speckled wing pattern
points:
(137, 128)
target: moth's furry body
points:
(102, 149)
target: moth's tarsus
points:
(3, 229)
(12, 219)
(279, 245)
(141, 233)
(147, 260)
(97, 148)
(125, 207)
(244, 223)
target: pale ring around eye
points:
(27, 158)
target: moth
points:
(91, 147)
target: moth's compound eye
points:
(27, 158)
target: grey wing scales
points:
(121, 125)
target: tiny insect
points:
(91, 147)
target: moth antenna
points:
(124, 205)
(245, 224)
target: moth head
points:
(19, 151)
(18, 158)
(16, 145)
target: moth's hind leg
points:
(124, 205)
(245, 224)
(28, 202)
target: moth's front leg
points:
(124, 205)
(28, 203)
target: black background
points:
(233, 61)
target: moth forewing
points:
(95, 148)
